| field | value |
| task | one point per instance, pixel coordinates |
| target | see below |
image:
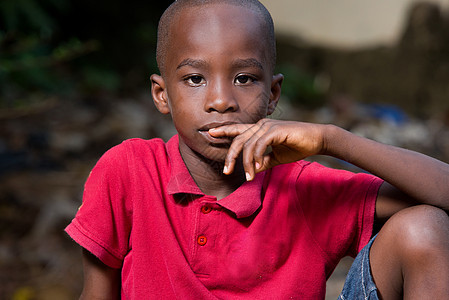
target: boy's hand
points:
(289, 141)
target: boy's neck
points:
(209, 177)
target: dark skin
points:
(218, 87)
(219, 77)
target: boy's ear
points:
(275, 92)
(159, 93)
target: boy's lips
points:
(204, 130)
(215, 140)
(215, 125)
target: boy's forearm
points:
(420, 176)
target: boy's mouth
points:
(215, 125)
(204, 130)
(215, 140)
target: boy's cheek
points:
(257, 106)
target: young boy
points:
(213, 214)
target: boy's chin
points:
(205, 151)
(215, 154)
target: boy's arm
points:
(100, 281)
(410, 177)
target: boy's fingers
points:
(263, 144)
(263, 155)
(267, 163)
(254, 147)
(239, 145)
(232, 130)
(229, 130)
(248, 157)
(250, 140)
(236, 147)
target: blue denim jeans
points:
(359, 282)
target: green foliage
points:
(27, 15)
(28, 59)
(30, 64)
(59, 47)
(100, 78)
(299, 87)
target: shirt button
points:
(206, 209)
(202, 240)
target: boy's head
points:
(216, 60)
(172, 12)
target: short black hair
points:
(163, 34)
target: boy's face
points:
(217, 72)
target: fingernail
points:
(248, 176)
(257, 165)
(225, 169)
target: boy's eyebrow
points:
(196, 63)
(247, 62)
(238, 63)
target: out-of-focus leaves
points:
(29, 64)
(64, 47)
(101, 78)
(31, 55)
(300, 87)
(29, 15)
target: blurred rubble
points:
(412, 75)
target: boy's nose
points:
(221, 99)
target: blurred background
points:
(74, 81)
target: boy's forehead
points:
(215, 10)
(216, 26)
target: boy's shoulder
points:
(140, 142)
(315, 172)
(296, 166)
(137, 154)
(133, 148)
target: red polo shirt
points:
(279, 236)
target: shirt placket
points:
(205, 234)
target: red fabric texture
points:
(279, 236)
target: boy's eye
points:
(243, 79)
(195, 80)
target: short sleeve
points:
(339, 207)
(102, 224)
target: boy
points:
(210, 214)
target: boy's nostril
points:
(222, 106)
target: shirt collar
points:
(180, 181)
(243, 202)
